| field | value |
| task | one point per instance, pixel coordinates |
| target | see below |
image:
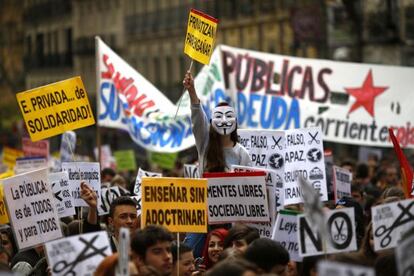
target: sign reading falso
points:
(55, 108)
(179, 204)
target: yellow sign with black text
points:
(179, 204)
(55, 108)
(200, 37)
(4, 218)
(10, 155)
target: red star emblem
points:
(365, 95)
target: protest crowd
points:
(236, 248)
(268, 201)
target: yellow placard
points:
(10, 155)
(179, 204)
(4, 218)
(55, 108)
(200, 37)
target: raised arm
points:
(188, 83)
(90, 197)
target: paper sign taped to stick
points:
(285, 232)
(405, 256)
(31, 208)
(390, 221)
(237, 197)
(38, 149)
(328, 268)
(138, 181)
(179, 204)
(200, 37)
(27, 164)
(4, 218)
(63, 194)
(341, 234)
(342, 179)
(191, 171)
(88, 172)
(78, 255)
(55, 108)
(67, 146)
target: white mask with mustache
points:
(223, 120)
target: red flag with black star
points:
(406, 170)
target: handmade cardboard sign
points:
(237, 197)
(78, 172)
(304, 158)
(78, 255)
(63, 194)
(200, 37)
(390, 221)
(55, 108)
(342, 179)
(341, 234)
(285, 231)
(31, 208)
(179, 204)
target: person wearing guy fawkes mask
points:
(217, 145)
(217, 141)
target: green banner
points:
(125, 160)
(163, 160)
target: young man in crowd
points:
(151, 249)
(122, 213)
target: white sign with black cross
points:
(61, 190)
(191, 171)
(328, 268)
(138, 182)
(78, 255)
(304, 158)
(341, 234)
(390, 221)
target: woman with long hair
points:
(214, 246)
(217, 140)
(217, 144)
